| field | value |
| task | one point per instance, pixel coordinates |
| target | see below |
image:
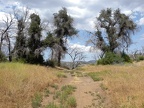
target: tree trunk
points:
(9, 47)
(10, 55)
(59, 58)
(1, 42)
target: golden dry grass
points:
(125, 83)
(19, 82)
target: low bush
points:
(140, 58)
(51, 105)
(126, 58)
(36, 101)
(68, 89)
(65, 98)
(110, 58)
(97, 76)
(2, 57)
(72, 102)
(51, 63)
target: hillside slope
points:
(19, 82)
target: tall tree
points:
(20, 47)
(34, 41)
(64, 29)
(20, 44)
(113, 30)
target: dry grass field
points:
(124, 83)
(19, 82)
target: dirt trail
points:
(86, 91)
(88, 94)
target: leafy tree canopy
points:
(63, 29)
(113, 30)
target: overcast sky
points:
(83, 12)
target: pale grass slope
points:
(125, 83)
(19, 82)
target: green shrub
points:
(140, 58)
(47, 92)
(110, 58)
(126, 58)
(61, 75)
(97, 76)
(69, 89)
(103, 87)
(54, 86)
(33, 59)
(20, 60)
(63, 97)
(36, 101)
(72, 102)
(57, 95)
(2, 57)
(51, 63)
(51, 105)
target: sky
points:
(84, 13)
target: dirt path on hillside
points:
(89, 94)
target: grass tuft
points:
(36, 101)
(61, 75)
(97, 76)
(72, 102)
(51, 105)
(64, 97)
(69, 89)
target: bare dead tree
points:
(142, 50)
(135, 54)
(7, 31)
(8, 41)
(45, 25)
(77, 56)
(7, 24)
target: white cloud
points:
(2, 15)
(83, 11)
(74, 2)
(141, 21)
(83, 48)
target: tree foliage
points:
(34, 40)
(2, 57)
(64, 29)
(20, 44)
(110, 58)
(113, 58)
(113, 30)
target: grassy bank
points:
(19, 82)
